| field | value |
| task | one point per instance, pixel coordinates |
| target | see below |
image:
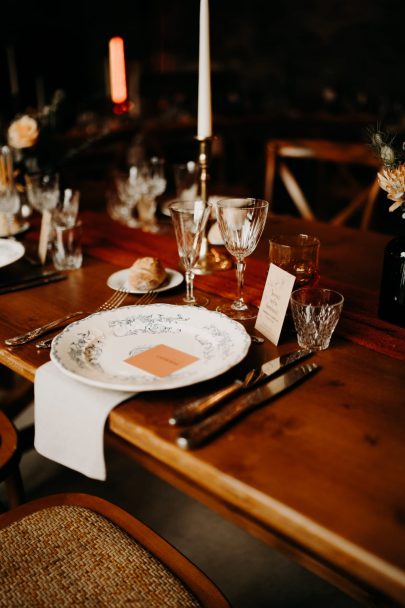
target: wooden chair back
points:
(106, 555)
(280, 152)
(9, 462)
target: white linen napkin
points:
(69, 420)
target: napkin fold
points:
(69, 420)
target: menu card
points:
(44, 235)
(275, 299)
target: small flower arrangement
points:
(392, 176)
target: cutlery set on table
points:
(18, 271)
(200, 420)
(203, 419)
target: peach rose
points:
(23, 132)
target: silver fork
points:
(113, 302)
(147, 298)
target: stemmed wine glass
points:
(148, 181)
(43, 190)
(43, 196)
(189, 221)
(9, 198)
(241, 222)
(123, 205)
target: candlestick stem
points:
(203, 162)
(210, 259)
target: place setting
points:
(119, 350)
(161, 347)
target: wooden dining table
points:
(319, 473)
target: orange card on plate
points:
(161, 360)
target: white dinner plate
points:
(10, 251)
(93, 350)
(118, 280)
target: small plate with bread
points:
(144, 275)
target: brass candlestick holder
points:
(210, 258)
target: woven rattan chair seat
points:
(72, 556)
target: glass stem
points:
(189, 287)
(240, 270)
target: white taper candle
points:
(204, 128)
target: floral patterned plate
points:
(10, 251)
(93, 350)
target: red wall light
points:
(118, 79)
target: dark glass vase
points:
(392, 291)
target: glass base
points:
(199, 300)
(153, 228)
(131, 222)
(249, 312)
(212, 261)
(311, 345)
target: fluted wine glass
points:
(189, 221)
(241, 222)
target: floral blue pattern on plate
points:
(93, 350)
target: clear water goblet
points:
(189, 221)
(9, 208)
(66, 212)
(241, 222)
(149, 183)
(123, 206)
(43, 196)
(43, 191)
(186, 179)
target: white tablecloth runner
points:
(69, 420)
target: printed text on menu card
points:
(273, 307)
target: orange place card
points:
(161, 360)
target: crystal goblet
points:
(43, 196)
(241, 222)
(43, 191)
(149, 182)
(189, 221)
(123, 207)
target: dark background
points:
(308, 68)
(267, 57)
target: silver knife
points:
(36, 282)
(205, 430)
(28, 278)
(191, 412)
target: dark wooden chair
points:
(346, 157)
(80, 550)
(9, 462)
(15, 392)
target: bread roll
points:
(145, 274)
